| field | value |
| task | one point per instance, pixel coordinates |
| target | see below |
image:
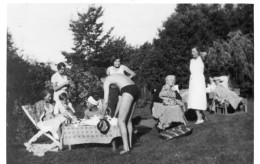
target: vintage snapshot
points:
(130, 83)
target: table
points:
(72, 135)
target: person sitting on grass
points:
(130, 94)
(64, 108)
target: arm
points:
(57, 87)
(71, 107)
(38, 112)
(108, 71)
(106, 94)
(118, 105)
(178, 96)
(132, 73)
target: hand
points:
(101, 117)
(68, 81)
(66, 115)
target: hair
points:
(197, 48)
(169, 76)
(114, 58)
(45, 92)
(63, 96)
(60, 65)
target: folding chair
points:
(29, 111)
(223, 107)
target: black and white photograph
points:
(129, 83)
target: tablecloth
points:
(87, 134)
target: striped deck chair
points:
(30, 112)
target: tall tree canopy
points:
(92, 51)
(201, 25)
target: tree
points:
(199, 25)
(235, 57)
(88, 37)
(89, 43)
(26, 79)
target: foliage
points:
(234, 57)
(25, 80)
(202, 25)
(88, 37)
(91, 54)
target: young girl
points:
(64, 108)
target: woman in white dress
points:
(197, 86)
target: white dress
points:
(197, 86)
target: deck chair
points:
(217, 106)
(29, 111)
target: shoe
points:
(199, 122)
(125, 152)
(212, 112)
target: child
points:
(64, 108)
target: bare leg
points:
(130, 125)
(199, 115)
(113, 145)
(124, 109)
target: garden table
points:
(72, 135)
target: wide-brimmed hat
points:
(103, 126)
(92, 100)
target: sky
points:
(41, 31)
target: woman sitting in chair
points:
(94, 108)
(45, 118)
(170, 110)
(223, 94)
(169, 94)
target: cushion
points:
(175, 132)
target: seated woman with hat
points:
(94, 108)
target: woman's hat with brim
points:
(103, 126)
(92, 100)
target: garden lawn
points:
(221, 139)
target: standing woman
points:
(197, 86)
(116, 68)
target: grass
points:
(222, 139)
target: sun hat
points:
(103, 126)
(92, 100)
